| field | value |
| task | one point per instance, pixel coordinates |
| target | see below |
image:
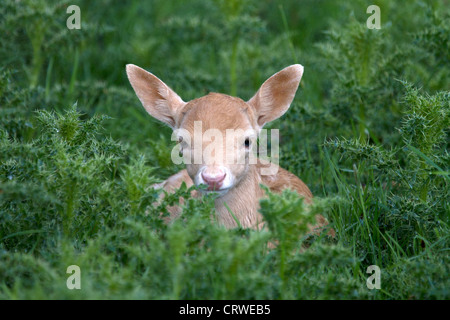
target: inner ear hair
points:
(276, 94)
(157, 98)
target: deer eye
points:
(180, 151)
(247, 143)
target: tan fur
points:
(222, 112)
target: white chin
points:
(220, 192)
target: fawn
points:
(236, 182)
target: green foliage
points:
(367, 132)
(415, 201)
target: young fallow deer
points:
(237, 182)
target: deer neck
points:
(243, 201)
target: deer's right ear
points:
(158, 99)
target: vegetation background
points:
(367, 131)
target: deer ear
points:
(276, 94)
(158, 99)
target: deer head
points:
(204, 127)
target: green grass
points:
(367, 131)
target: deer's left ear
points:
(276, 94)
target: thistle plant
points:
(79, 156)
